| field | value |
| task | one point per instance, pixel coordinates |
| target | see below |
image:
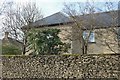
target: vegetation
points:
(11, 50)
(46, 42)
(17, 16)
(74, 10)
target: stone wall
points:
(61, 66)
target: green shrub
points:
(11, 50)
(46, 42)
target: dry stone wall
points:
(61, 66)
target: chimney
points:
(6, 35)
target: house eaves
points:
(96, 20)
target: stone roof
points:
(55, 19)
(102, 19)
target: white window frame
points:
(91, 38)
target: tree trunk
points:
(24, 44)
(86, 47)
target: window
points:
(91, 38)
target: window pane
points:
(84, 34)
(92, 37)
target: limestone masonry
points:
(61, 66)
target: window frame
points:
(92, 40)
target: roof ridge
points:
(100, 12)
(50, 16)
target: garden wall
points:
(61, 66)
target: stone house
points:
(101, 34)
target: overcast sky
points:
(51, 6)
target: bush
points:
(47, 42)
(11, 50)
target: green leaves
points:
(11, 50)
(46, 41)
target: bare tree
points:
(112, 39)
(85, 24)
(80, 25)
(2, 6)
(18, 16)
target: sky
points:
(49, 7)
(52, 6)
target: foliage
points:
(10, 50)
(46, 42)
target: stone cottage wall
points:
(61, 66)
